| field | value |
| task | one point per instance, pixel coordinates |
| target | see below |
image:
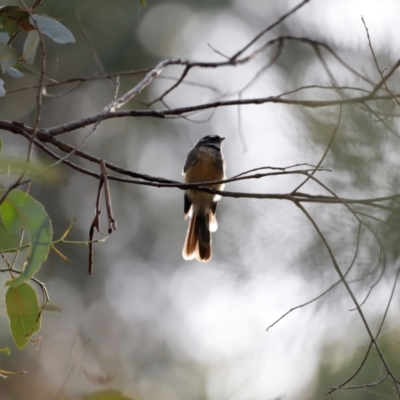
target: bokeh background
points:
(153, 326)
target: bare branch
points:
(325, 153)
(112, 224)
(325, 291)
(353, 298)
(376, 61)
(272, 26)
(363, 386)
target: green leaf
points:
(14, 19)
(8, 56)
(53, 29)
(30, 46)
(4, 37)
(2, 90)
(24, 313)
(14, 72)
(9, 242)
(21, 211)
(5, 350)
(106, 395)
(5, 374)
(13, 164)
(23, 68)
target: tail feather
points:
(198, 239)
(203, 229)
(189, 248)
(213, 218)
(204, 252)
(213, 224)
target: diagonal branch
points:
(352, 296)
(263, 32)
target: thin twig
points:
(270, 27)
(112, 224)
(325, 291)
(95, 225)
(352, 296)
(376, 61)
(325, 153)
(362, 386)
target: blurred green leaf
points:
(106, 395)
(5, 374)
(24, 69)
(14, 19)
(9, 242)
(20, 211)
(2, 90)
(8, 56)
(5, 350)
(4, 37)
(14, 72)
(24, 313)
(17, 164)
(143, 3)
(30, 46)
(53, 29)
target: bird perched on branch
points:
(204, 163)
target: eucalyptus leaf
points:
(8, 56)
(23, 311)
(5, 350)
(21, 211)
(53, 29)
(4, 37)
(24, 69)
(5, 374)
(2, 90)
(14, 164)
(30, 46)
(9, 242)
(14, 72)
(14, 19)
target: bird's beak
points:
(222, 139)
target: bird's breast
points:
(203, 165)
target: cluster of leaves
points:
(13, 21)
(25, 228)
(25, 231)
(24, 225)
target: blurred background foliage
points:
(151, 326)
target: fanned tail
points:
(198, 239)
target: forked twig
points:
(352, 296)
(112, 224)
(325, 291)
(95, 225)
(376, 61)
